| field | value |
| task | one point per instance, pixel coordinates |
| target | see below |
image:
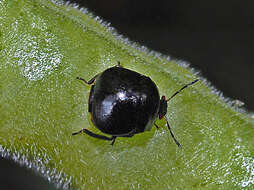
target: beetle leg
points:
(86, 131)
(172, 134)
(156, 126)
(91, 81)
(118, 64)
(113, 140)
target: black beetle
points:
(123, 103)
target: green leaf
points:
(44, 46)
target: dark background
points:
(216, 37)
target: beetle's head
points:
(163, 107)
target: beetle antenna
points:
(185, 86)
(172, 134)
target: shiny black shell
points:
(123, 102)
